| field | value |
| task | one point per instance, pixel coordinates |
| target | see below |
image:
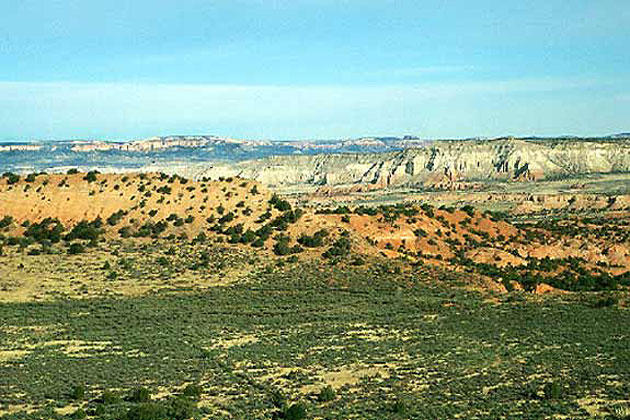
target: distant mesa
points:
(441, 164)
(156, 143)
(20, 147)
(380, 162)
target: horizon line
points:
(613, 134)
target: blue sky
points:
(313, 69)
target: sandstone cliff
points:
(442, 162)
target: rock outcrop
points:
(153, 144)
(443, 162)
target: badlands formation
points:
(441, 163)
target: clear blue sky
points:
(303, 69)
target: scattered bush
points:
(295, 411)
(281, 247)
(313, 241)
(553, 391)
(147, 411)
(326, 394)
(90, 176)
(109, 398)
(125, 232)
(400, 407)
(76, 248)
(341, 247)
(6, 221)
(11, 178)
(279, 204)
(140, 395)
(164, 189)
(48, 229)
(192, 390)
(86, 230)
(469, 210)
(78, 392)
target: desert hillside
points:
(130, 200)
(72, 212)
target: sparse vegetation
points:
(90, 176)
(210, 312)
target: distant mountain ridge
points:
(442, 164)
(195, 153)
(163, 151)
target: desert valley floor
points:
(152, 296)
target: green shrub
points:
(125, 232)
(227, 218)
(326, 394)
(553, 391)
(110, 398)
(192, 390)
(147, 411)
(469, 210)
(164, 189)
(76, 248)
(151, 229)
(86, 230)
(428, 209)
(420, 233)
(281, 247)
(140, 395)
(6, 221)
(180, 409)
(400, 407)
(48, 229)
(79, 414)
(606, 302)
(279, 204)
(90, 176)
(313, 241)
(77, 392)
(295, 411)
(340, 247)
(114, 218)
(258, 243)
(34, 251)
(163, 261)
(11, 178)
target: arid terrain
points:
(150, 296)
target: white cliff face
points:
(151, 144)
(20, 148)
(445, 161)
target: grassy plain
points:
(419, 343)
